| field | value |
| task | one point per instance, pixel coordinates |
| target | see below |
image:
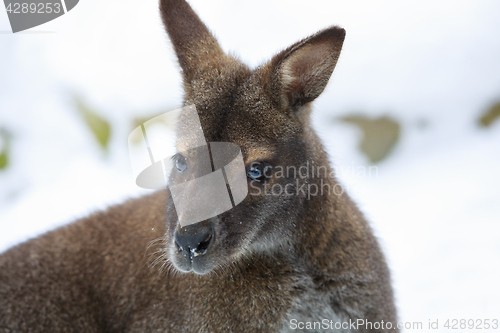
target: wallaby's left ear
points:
(300, 73)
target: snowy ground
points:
(434, 202)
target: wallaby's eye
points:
(180, 163)
(259, 171)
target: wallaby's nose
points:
(193, 240)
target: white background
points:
(435, 202)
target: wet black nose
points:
(193, 240)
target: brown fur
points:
(274, 257)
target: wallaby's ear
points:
(300, 73)
(195, 46)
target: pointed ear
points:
(194, 45)
(300, 73)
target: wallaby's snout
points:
(193, 240)
(192, 243)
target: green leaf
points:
(4, 153)
(99, 126)
(490, 116)
(380, 135)
(4, 159)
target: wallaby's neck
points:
(331, 224)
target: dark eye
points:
(180, 163)
(259, 171)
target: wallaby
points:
(279, 261)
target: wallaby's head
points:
(265, 112)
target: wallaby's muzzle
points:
(192, 243)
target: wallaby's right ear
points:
(300, 73)
(194, 45)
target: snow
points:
(434, 202)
